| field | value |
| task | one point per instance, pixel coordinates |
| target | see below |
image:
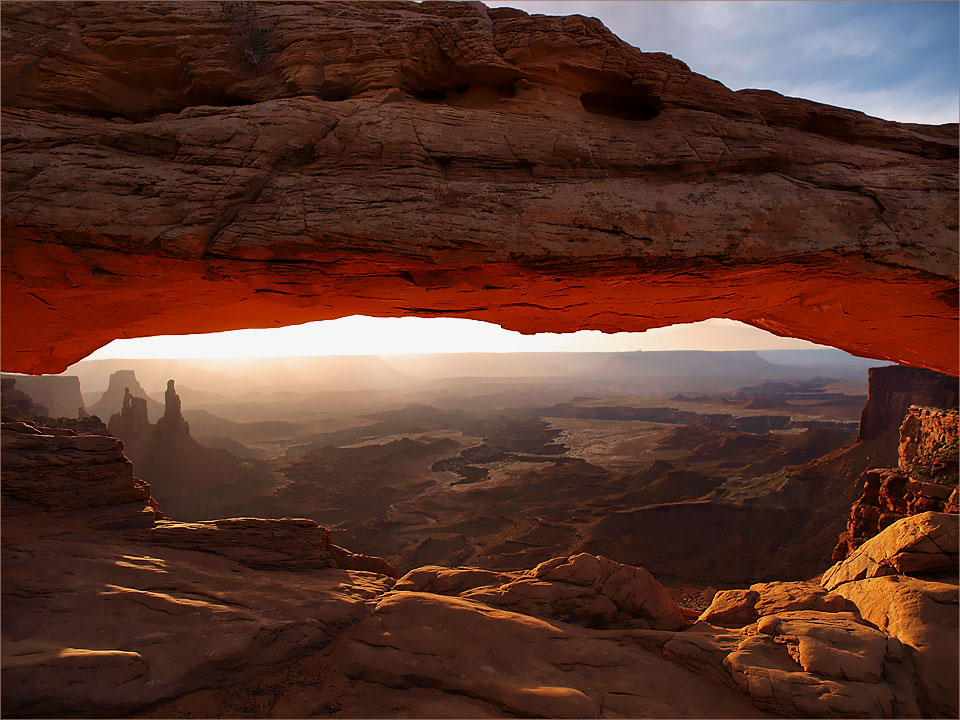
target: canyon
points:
(610, 540)
(259, 617)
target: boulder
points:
(924, 543)
(737, 608)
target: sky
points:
(895, 60)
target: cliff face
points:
(18, 405)
(278, 163)
(924, 480)
(892, 390)
(59, 395)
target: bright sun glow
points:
(361, 335)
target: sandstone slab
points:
(99, 626)
(522, 665)
(737, 608)
(924, 543)
(921, 614)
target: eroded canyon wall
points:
(190, 167)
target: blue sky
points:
(895, 60)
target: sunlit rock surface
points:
(193, 167)
(926, 476)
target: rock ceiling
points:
(192, 167)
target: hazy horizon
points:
(363, 335)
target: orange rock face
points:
(196, 167)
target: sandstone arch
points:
(193, 167)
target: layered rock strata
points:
(260, 164)
(108, 608)
(892, 390)
(926, 478)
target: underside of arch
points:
(181, 168)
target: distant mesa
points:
(121, 383)
(59, 395)
(16, 404)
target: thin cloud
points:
(895, 60)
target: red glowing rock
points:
(210, 166)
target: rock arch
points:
(288, 162)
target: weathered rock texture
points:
(583, 589)
(892, 390)
(106, 610)
(241, 165)
(52, 468)
(904, 581)
(926, 478)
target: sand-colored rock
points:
(816, 664)
(450, 581)
(264, 164)
(927, 432)
(582, 589)
(923, 615)
(924, 543)
(737, 608)
(522, 665)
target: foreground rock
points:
(103, 617)
(582, 589)
(904, 581)
(522, 665)
(96, 626)
(737, 608)
(925, 543)
(533, 171)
